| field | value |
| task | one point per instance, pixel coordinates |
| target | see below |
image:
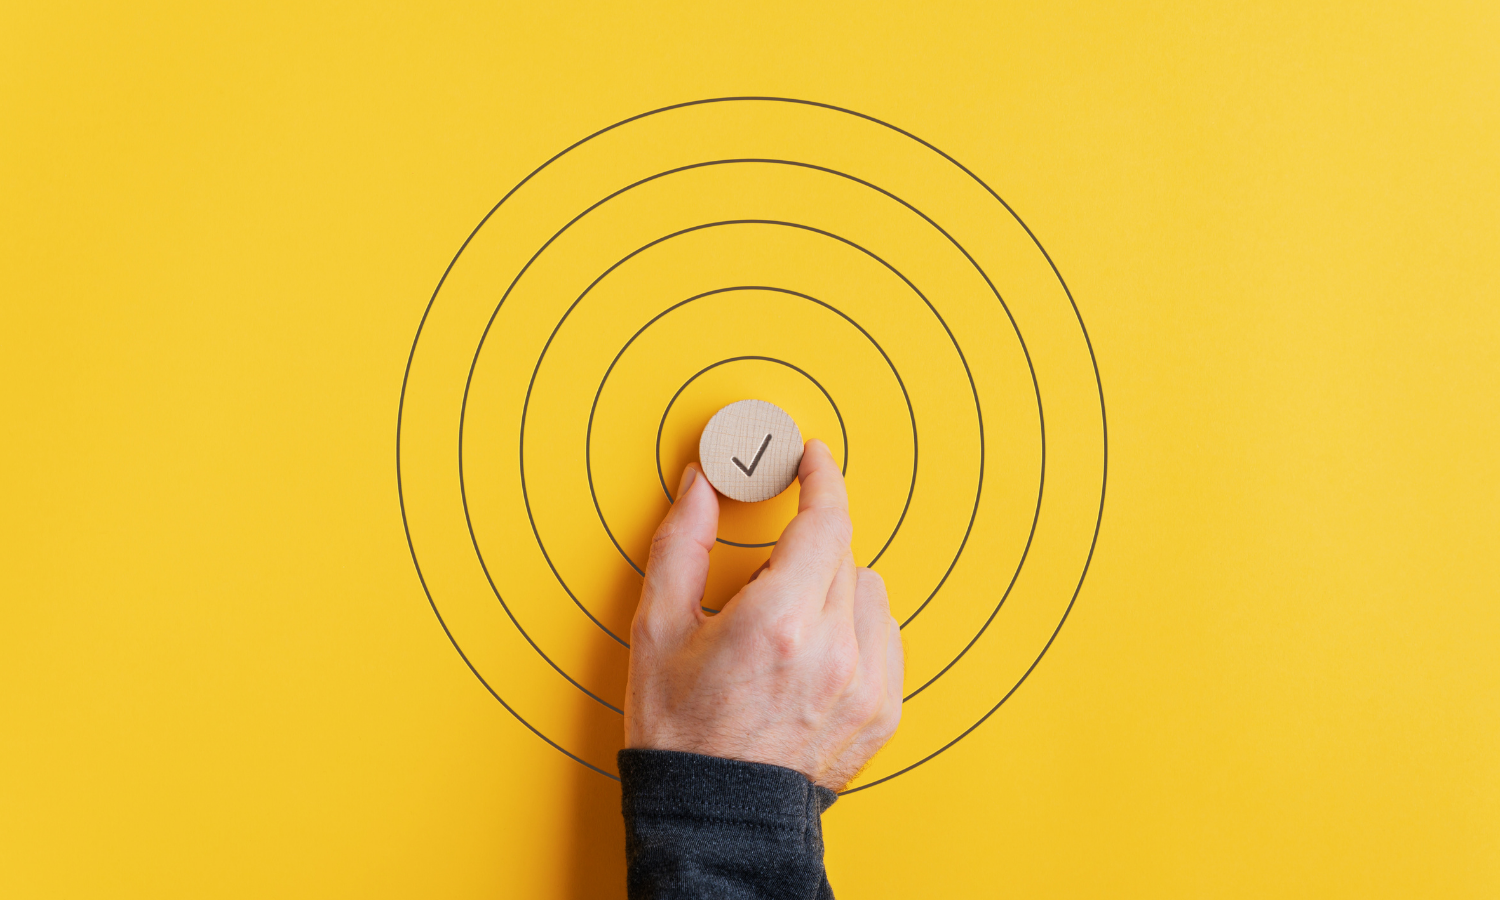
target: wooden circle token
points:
(750, 450)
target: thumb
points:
(677, 571)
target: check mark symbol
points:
(750, 470)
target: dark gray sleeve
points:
(701, 827)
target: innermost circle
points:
(794, 389)
(750, 450)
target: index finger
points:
(817, 539)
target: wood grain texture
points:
(750, 450)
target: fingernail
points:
(688, 475)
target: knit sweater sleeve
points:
(700, 826)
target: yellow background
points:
(218, 674)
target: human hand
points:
(802, 668)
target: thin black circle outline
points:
(1089, 343)
(526, 406)
(661, 478)
(661, 426)
(1072, 302)
(588, 439)
(843, 432)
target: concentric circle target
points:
(784, 250)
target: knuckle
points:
(642, 633)
(886, 725)
(664, 538)
(670, 542)
(787, 636)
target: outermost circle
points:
(1098, 383)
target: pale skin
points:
(801, 669)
